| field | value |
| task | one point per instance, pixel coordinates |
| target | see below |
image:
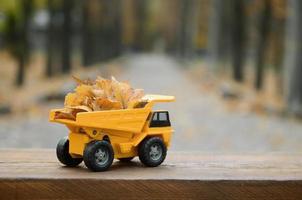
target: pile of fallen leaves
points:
(101, 94)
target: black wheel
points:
(98, 155)
(125, 159)
(152, 151)
(63, 154)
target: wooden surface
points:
(36, 174)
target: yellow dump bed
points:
(130, 120)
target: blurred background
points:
(235, 66)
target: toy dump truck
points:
(101, 136)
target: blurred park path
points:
(200, 120)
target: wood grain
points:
(36, 174)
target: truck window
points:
(154, 118)
(162, 116)
(160, 119)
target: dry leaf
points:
(64, 114)
(83, 108)
(84, 82)
(137, 95)
(106, 104)
(101, 94)
(84, 90)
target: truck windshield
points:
(160, 119)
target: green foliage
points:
(6, 5)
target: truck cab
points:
(160, 119)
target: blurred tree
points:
(50, 39)
(91, 28)
(187, 28)
(293, 58)
(26, 11)
(110, 27)
(141, 17)
(218, 35)
(117, 28)
(238, 38)
(101, 32)
(203, 9)
(277, 32)
(86, 34)
(16, 36)
(168, 24)
(264, 27)
(66, 36)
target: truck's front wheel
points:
(98, 155)
(63, 154)
(152, 151)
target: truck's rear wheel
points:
(152, 151)
(98, 155)
(125, 159)
(63, 154)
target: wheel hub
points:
(101, 156)
(155, 152)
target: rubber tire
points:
(144, 149)
(125, 159)
(89, 158)
(63, 154)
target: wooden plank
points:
(36, 174)
(42, 163)
(148, 189)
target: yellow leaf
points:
(106, 104)
(84, 90)
(101, 94)
(83, 108)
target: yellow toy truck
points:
(99, 137)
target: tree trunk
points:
(238, 34)
(293, 58)
(66, 36)
(86, 43)
(264, 27)
(187, 27)
(218, 34)
(21, 71)
(278, 52)
(140, 33)
(50, 40)
(23, 50)
(117, 27)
